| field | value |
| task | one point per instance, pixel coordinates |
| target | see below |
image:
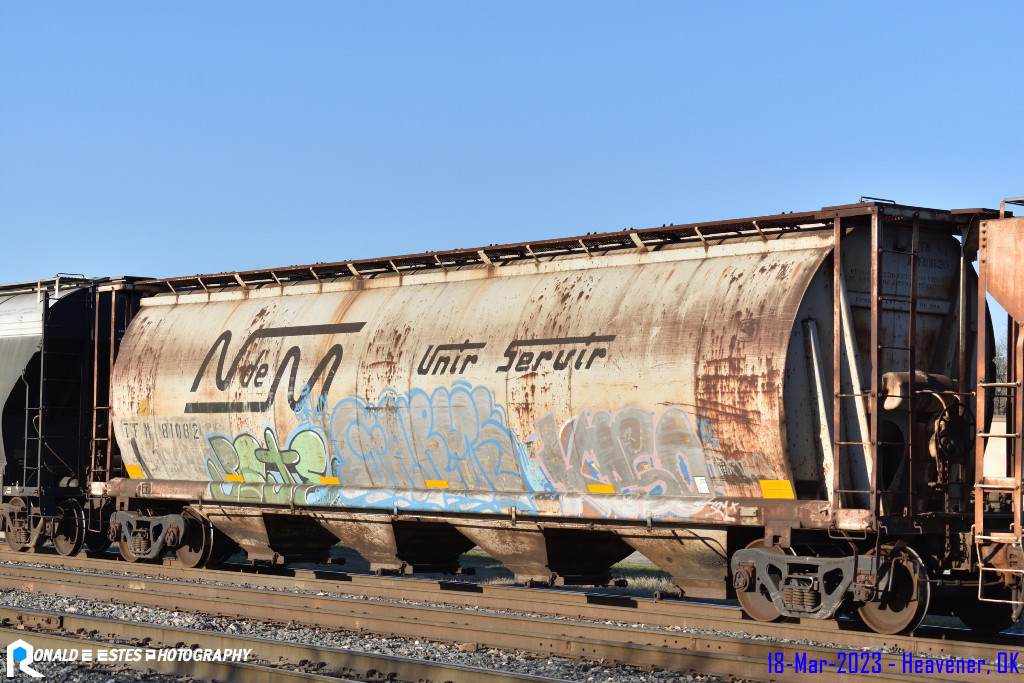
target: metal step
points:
(999, 537)
(998, 484)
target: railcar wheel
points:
(197, 541)
(758, 603)
(69, 531)
(223, 548)
(127, 555)
(987, 618)
(905, 595)
(97, 541)
(17, 535)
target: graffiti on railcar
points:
(248, 468)
(452, 438)
(733, 469)
(448, 450)
(452, 449)
(740, 470)
(723, 510)
(311, 412)
(631, 452)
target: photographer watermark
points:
(22, 654)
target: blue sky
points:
(177, 138)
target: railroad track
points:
(934, 641)
(743, 656)
(273, 657)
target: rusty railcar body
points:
(780, 409)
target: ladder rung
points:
(1008, 483)
(895, 348)
(1001, 569)
(851, 443)
(857, 395)
(1007, 537)
(898, 299)
(999, 436)
(896, 251)
(1004, 481)
(999, 384)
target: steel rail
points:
(268, 651)
(937, 642)
(638, 646)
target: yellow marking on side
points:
(144, 407)
(601, 488)
(329, 480)
(437, 483)
(776, 488)
(134, 471)
(234, 477)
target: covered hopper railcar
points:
(777, 409)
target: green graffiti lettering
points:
(312, 455)
(267, 473)
(249, 465)
(277, 459)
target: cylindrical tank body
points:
(646, 385)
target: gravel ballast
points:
(516, 662)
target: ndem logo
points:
(21, 652)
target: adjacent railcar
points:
(53, 408)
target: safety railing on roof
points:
(649, 239)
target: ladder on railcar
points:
(1000, 251)
(56, 410)
(102, 446)
(888, 503)
(35, 415)
(869, 390)
(115, 306)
